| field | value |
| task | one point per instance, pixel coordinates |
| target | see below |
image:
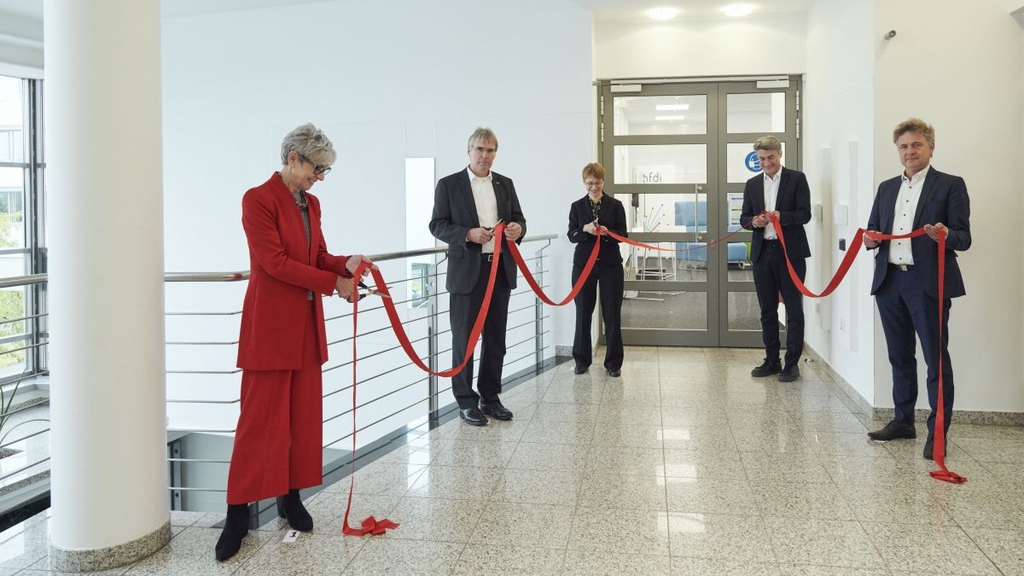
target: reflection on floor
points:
(684, 465)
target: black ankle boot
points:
(291, 509)
(236, 526)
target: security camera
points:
(890, 34)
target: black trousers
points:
(464, 309)
(611, 279)
(771, 276)
(905, 310)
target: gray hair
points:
(768, 143)
(482, 133)
(311, 142)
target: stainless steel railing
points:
(393, 396)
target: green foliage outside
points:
(12, 302)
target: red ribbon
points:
(939, 446)
(513, 251)
(370, 525)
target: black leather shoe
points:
(236, 526)
(473, 416)
(929, 448)
(291, 509)
(893, 431)
(790, 373)
(580, 369)
(768, 368)
(496, 409)
(615, 373)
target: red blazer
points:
(282, 271)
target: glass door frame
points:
(607, 92)
(718, 285)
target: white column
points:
(105, 237)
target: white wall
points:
(961, 70)
(386, 82)
(838, 159)
(647, 49)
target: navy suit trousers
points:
(905, 309)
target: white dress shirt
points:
(486, 204)
(903, 218)
(771, 195)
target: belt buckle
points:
(489, 256)
(902, 267)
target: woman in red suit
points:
(282, 345)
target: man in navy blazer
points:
(467, 207)
(788, 197)
(906, 281)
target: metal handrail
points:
(426, 334)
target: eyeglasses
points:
(318, 170)
(485, 151)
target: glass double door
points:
(678, 156)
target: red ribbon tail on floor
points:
(370, 525)
(939, 445)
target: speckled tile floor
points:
(684, 465)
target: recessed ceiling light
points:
(661, 118)
(738, 10)
(672, 107)
(663, 13)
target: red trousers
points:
(279, 438)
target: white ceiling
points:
(602, 9)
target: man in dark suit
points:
(906, 280)
(467, 207)
(787, 196)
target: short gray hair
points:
(768, 143)
(482, 133)
(311, 142)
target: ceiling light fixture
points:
(738, 10)
(663, 13)
(672, 107)
(662, 118)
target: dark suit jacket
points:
(612, 216)
(455, 213)
(943, 199)
(794, 205)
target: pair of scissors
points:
(370, 291)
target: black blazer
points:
(455, 213)
(794, 205)
(943, 199)
(612, 215)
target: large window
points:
(22, 312)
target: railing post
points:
(538, 307)
(433, 347)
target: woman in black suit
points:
(586, 215)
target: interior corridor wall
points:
(771, 44)
(386, 81)
(839, 139)
(961, 69)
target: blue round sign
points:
(752, 162)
